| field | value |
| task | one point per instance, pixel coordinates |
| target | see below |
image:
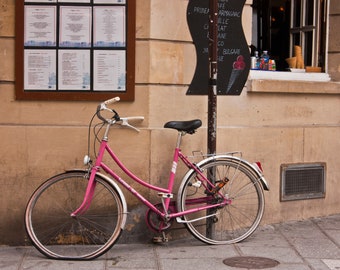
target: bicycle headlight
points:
(87, 160)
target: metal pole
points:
(212, 97)
(212, 93)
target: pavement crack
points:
(157, 259)
(322, 230)
(291, 245)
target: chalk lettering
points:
(222, 36)
(221, 5)
(201, 10)
(229, 13)
(231, 51)
(221, 27)
(224, 21)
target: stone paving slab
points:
(304, 245)
(332, 264)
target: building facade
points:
(279, 119)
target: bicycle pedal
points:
(165, 239)
(157, 239)
(160, 239)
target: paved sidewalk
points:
(312, 244)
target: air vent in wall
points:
(302, 181)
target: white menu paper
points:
(75, 26)
(109, 70)
(74, 70)
(109, 26)
(40, 69)
(40, 26)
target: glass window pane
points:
(297, 13)
(296, 39)
(281, 24)
(309, 19)
(308, 50)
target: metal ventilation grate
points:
(302, 181)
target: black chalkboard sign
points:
(233, 51)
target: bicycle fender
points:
(116, 187)
(263, 180)
(254, 169)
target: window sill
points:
(288, 76)
(288, 82)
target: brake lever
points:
(126, 123)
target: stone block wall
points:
(266, 122)
(334, 41)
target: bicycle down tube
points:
(104, 147)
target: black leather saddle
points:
(187, 126)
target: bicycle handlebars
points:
(123, 121)
(112, 100)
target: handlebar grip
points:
(135, 118)
(112, 100)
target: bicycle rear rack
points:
(199, 155)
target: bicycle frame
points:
(220, 198)
(165, 193)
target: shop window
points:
(75, 49)
(279, 25)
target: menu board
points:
(233, 52)
(75, 46)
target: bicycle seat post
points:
(179, 138)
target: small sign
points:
(233, 51)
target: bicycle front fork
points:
(88, 194)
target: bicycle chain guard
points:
(157, 223)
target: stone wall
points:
(266, 122)
(334, 40)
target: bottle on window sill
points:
(255, 61)
(264, 61)
(272, 65)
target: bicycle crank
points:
(160, 239)
(156, 222)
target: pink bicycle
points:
(80, 214)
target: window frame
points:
(304, 28)
(320, 33)
(76, 95)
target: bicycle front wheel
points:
(56, 234)
(232, 222)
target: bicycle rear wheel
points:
(232, 222)
(56, 234)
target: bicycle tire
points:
(236, 220)
(56, 234)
